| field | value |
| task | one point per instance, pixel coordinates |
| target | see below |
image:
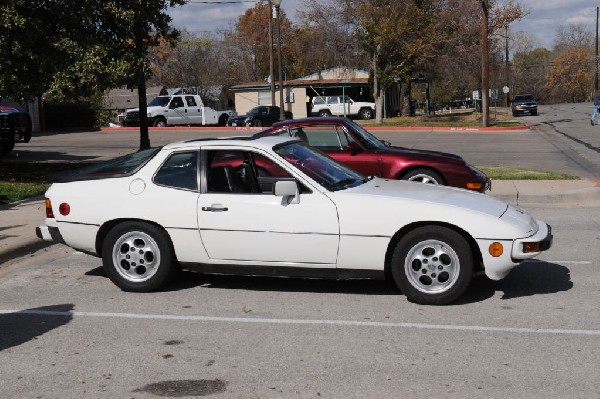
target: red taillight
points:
(64, 209)
(49, 213)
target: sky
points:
(542, 19)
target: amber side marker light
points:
(49, 213)
(531, 247)
(64, 209)
(496, 249)
(474, 186)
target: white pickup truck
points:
(342, 105)
(182, 109)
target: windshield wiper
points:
(343, 183)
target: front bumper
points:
(541, 240)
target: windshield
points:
(254, 111)
(319, 166)
(159, 102)
(524, 98)
(366, 139)
(122, 166)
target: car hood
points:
(433, 194)
(405, 151)
(380, 206)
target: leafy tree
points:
(68, 49)
(569, 75)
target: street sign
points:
(505, 90)
(475, 94)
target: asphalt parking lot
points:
(67, 331)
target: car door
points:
(192, 111)
(337, 143)
(240, 222)
(177, 112)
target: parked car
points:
(15, 127)
(342, 106)
(524, 104)
(350, 144)
(263, 115)
(204, 205)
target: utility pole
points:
(507, 67)
(597, 13)
(485, 64)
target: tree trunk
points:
(377, 91)
(406, 93)
(144, 136)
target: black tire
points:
(534, 113)
(138, 257)
(515, 114)
(432, 265)
(366, 113)
(223, 120)
(257, 123)
(324, 112)
(6, 146)
(160, 122)
(424, 176)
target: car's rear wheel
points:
(432, 265)
(424, 176)
(138, 256)
(324, 113)
(257, 123)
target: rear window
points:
(118, 167)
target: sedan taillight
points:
(49, 213)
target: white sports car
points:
(273, 206)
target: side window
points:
(324, 137)
(318, 101)
(179, 171)
(177, 102)
(333, 100)
(242, 172)
(191, 101)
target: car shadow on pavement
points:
(28, 324)
(532, 277)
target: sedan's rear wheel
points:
(138, 256)
(424, 176)
(432, 265)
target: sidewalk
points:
(18, 221)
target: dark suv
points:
(524, 104)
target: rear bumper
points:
(49, 233)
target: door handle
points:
(215, 208)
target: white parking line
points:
(564, 262)
(310, 322)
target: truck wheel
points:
(324, 112)
(138, 257)
(432, 265)
(366, 113)
(223, 119)
(160, 122)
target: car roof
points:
(266, 142)
(312, 120)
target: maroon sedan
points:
(350, 144)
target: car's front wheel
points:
(366, 113)
(138, 256)
(424, 176)
(432, 265)
(324, 113)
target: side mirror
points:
(289, 189)
(353, 148)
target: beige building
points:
(298, 93)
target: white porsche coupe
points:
(272, 206)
